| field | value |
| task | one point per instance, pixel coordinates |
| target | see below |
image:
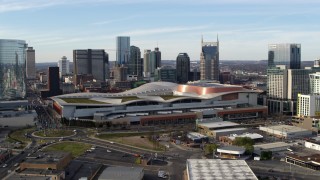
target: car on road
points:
(16, 164)
(5, 165)
(111, 142)
(162, 174)
(108, 151)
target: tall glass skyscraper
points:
(135, 65)
(12, 69)
(183, 68)
(284, 54)
(209, 60)
(123, 50)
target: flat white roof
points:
(229, 130)
(196, 135)
(249, 135)
(218, 124)
(209, 169)
(272, 145)
(286, 128)
(231, 150)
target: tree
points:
(209, 148)
(242, 141)
(246, 142)
(266, 155)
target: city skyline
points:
(245, 27)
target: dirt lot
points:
(136, 141)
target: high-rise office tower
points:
(135, 64)
(90, 62)
(183, 68)
(53, 79)
(284, 86)
(31, 63)
(209, 60)
(63, 65)
(155, 60)
(285, 78)
(53, 83)
(12, 69)
(123, 50)
(146, 63)
(284, 54)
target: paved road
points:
(282, 170)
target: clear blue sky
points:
(245, 27)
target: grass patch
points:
(19, 135)
(82, 101)
(129, 98)
(75, 148)
(119, 135)
(54, 133)
(140, 140)
(168, 97)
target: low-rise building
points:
(273, 147)
(218, 169)
(231, 152)
(122, 173)
(55, 160)
(307, 122)
(217, 129)
(39, 174)
(308, 161)
(286, 131)
(197, 137)
(312, 144)
(229, 139)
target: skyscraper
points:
(90, 62)
(63, 65)
(183, 68)
(209, 60)
(12, 69)
(155, 60)
(284, 54)
(123, 50)
(53, 83)
(135, 64)
(146, 63)
(31, 63)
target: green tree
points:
(209, 148)
(242, 141)
(245, 142)
(266, 155)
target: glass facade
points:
(123, 50)
(284, 54)
(209, 61)
(12, 69)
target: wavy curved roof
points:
(146, 89)
(156, 92)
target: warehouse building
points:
(273, 147)
(218, 169)
(286, 131)
(217, 129)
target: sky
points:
(245, 27)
